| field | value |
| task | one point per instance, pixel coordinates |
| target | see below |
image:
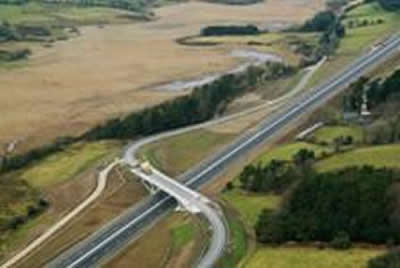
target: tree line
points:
(332, 30)
(20, 32)
(230, 30)
(130, 5)
(383, 95)
(202, 104)
(276, 176)
(13, 2)
(14, 55)
(379, 91)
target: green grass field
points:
(310, 258)
(359, 39)
(378, 156)
(65, 165)
(177, 154)
(328, 134)
(250, 205)
(182, 235)
(286, 152)
(39, 13)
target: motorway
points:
(130, 225)
(193, 202)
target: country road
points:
(103, 175)
(101, 185)
(147, 212)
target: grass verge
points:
(64, 165)
(177, 154)
(238, 244)
(250, 205)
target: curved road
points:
(194, 202)
(129, 225)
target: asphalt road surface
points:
(132, 224)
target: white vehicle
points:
(146, 167)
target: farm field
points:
(41, 14)
(250, 205)
(110, 71)
(357, 39)
(286, 152)
(308, 257)
(378, 156)
(328, 134)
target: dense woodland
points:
(360, 204)
(389, 260)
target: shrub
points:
(321, 22)
(389, 260)
(341, 241)
(229, 186)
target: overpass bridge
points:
(193, 202)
